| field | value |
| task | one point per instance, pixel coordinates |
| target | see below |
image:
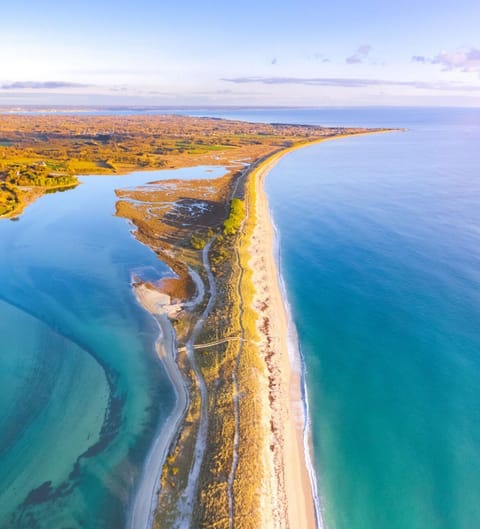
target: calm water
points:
(380, 251)
(81, 392)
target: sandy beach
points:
(287, 490)
(287, 496)
(290, 491)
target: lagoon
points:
(82, 393)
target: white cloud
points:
(465, 60)
(354, 83)
(39, 85)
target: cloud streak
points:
(351, 82)
(39, 85)
(360, 55)
(465, 60)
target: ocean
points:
(380, 252)
(379, 242)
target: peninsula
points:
(235, 452)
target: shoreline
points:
(293, 490)
(288, 493)
(143, 509)
(295, 351)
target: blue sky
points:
(308, 53)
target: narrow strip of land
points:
(241, 458)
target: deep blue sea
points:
(380, 252)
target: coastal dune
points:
(234, 451)
(286, 492)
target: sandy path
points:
(186, 503)
(289, 499)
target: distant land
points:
(42, 153)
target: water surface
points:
(380, 245)
(380, 249)
(82, 394)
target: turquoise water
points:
(380, 249)
(82, 394)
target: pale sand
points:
(288, 498)
(158, 304)
(288, 492)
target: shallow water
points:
(82, 394)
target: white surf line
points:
(296, 357)
(187, 500)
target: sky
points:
(249, 53)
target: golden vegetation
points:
(9, 198)
(176, 218)
(249, 370)
(235, 218)
(232, 316)
(49, 151)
